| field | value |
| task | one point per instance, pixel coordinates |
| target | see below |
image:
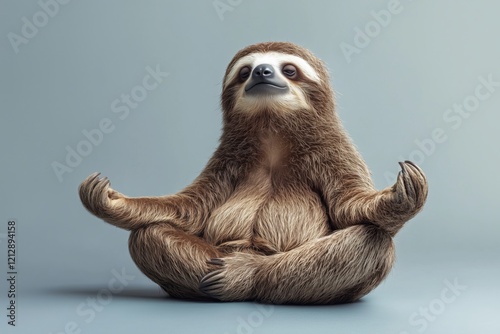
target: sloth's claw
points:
(212, 284)
(216, 261)
(232, 278)
(408, 184)
(97, 196)
(410, 190)
(413, 164)
(93, 176)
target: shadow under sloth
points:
(285, 210)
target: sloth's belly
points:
(267, 219)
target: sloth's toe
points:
(212, 284)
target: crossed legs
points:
(340, 267)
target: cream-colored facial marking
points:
(276, 59)
(294, 99)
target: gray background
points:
(393, 93)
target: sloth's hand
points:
(409, 193)
(98, 197)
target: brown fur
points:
(284, 212)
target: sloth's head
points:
(276, 77)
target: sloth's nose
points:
(263, 71)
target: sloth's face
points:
(271, 80)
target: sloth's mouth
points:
(266, 84)
(265, 87)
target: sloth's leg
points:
(172, 258)
(341, 267)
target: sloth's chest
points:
(267, 217)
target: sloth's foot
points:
(98, 197)
(233, 277)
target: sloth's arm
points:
(187, 209)
(388, 208)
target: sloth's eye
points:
(290, 71)
(244, 73)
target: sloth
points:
(284, 212)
